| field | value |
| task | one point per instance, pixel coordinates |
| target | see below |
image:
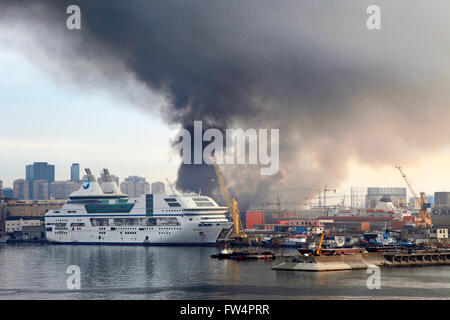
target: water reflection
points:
(133, 272)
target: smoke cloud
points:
(336, 90)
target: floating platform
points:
(245, 255)
(364, 261)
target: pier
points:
(364, 261)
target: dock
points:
(364, 261)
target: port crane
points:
(423, 220)
(319, 247)
(231, 204)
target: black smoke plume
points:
(336, 90)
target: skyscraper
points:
(39, 171)
(75, 172)
(1, 188)
(158, 187)
(62, 189)
(21, 189)
(41, 189)
(134, 186)
(8, 193)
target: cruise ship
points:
(101, 214)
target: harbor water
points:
(38, 271)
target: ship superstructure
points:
(101, 214)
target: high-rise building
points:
(134, 186)
(142, 188)
(41, 189)
(127, 188)
(75, 172)
(21, 189)
(8, 193)
(442, 199)
(1, 188)
(397, 195)
(62, 189)
(158, 187)
(39, 171)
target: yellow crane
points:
(319, 247)
(423, 220)
(231, 204)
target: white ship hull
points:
(187, 233)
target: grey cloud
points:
(311, 68)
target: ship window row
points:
(109, 208)
(202, 210)
(117, 222)
(200, 199)
(77, 224)
(56, 224)
(204, 204)
(174, 204)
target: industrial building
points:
(397, 195)
(29, 208)
(442, 199)
(12, 226)
(439, 233)
(254, 217)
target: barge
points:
(244, 255)
(365, 260)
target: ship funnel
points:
(89, 175)
(108, 185)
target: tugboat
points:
(382, 242)
(224, 254)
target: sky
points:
(351, 104)
(58, 123)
